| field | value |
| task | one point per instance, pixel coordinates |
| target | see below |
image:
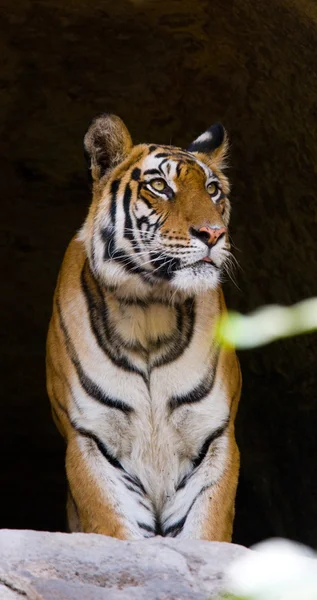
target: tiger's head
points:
(159, 214)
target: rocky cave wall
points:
(169, 68)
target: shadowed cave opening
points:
(169, 69)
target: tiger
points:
(140, 389)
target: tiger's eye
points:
(158, 184)
(212, 188)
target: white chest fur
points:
(172, 351)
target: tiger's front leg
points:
(203, 504)
(103, 498)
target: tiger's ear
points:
(106, 144)
(211, 146)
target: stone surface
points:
(59, 566)
(169, 68)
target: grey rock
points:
(58, 566)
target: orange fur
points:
(73, 359)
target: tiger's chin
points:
(197, 278)
(131, 281)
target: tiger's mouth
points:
(201, 264)
(163, 265)
(202, 261)
(174, 263)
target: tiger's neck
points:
(158, 317)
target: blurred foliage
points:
(277, 569)
(267, 324)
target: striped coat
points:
(144, 397)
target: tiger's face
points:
(159, 213)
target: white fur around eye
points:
(153, 190)
(216, 198)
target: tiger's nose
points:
(209, 235)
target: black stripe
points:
(132, 489)
(144, 505)
(150, 192)
(135, 302)
(159, 223)
(180, 318)
(162, 155)
(98, 316)
(140, 221)
(139, 302)
(164, 266)
(136, 173)
(107, 236)
(179, 168)
(111, 458)
(207, 443)
(163, 338)
(183, 481)
(90, 387)
(128, 263)
(177, 156)
(173, 154)
(176, 528)
(95, 392)
(189, 160)
(113, 191)
(96, 305)
(196, 462)
(198, 393)
(146, 527)
(100, 445)
(173, 149)
(110, 253)
(151, 172)
(145, 199)
(93, 254)
(134, 480)
(163, 163)
(158, 526)
(185, 325)
(126, 207)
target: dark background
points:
(169, 68)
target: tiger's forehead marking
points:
(167, 164)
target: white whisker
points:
(229, 267)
